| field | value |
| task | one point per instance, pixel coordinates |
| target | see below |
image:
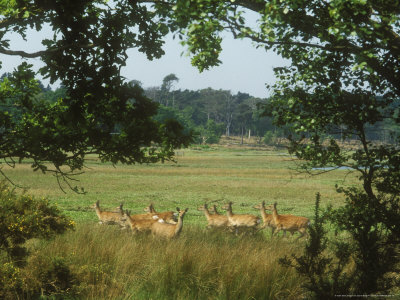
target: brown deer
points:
(237, 221)
(267, 218)
(110, 217)
(167, 216)
(166, 230)
(289, 222)
(214, 220)
(140, 224)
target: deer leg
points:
(277, 229)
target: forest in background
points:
(211, 113)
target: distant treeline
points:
(212, 113)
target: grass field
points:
(219, 174)
(108, 263)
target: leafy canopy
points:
(100, 112)
(343, 78)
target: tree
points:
(210, 133)
(86, 53)
(166, 87)
(343, 78)
(244, 117)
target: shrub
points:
(49, 276)
(269, 138)
(363, 261)
(22, 218)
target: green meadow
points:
(108, 263)
(213, 175)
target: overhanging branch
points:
(43, 52)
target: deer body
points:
(215, 220)
(140, 224)
(109, 217)
(289, 222)
(166, 230)
(167, 216)
(240, 221)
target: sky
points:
(244, 68)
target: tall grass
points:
(108, 263)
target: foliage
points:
(363, 266)
(325, 276)
(85, 54)
(23, 218)
(211, 133)
(269, 138)
(343, 79)
(166, 87)
(239, 113)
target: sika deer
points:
(267, 218)
(240, 221)
(166, 230)
(140, 224)
(167, 216)
(289, 222)
(109, 217)
(215, 220)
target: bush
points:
(22, 218)
(51, 277)
(10, 280)
(269, 138)
(363, 260)
(210, 134)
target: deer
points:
(109, 217)
(237, 221)
(266, 218)
(288, 222)
(140, 224)
(214, 220)
(166, 230)
(167, 216)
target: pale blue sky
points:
(244, 68)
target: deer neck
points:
(263, 213)
(275, 214)
(229, 212)
(98, 211)
(179, 225)
(207, 213)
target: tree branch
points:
(43, 52)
